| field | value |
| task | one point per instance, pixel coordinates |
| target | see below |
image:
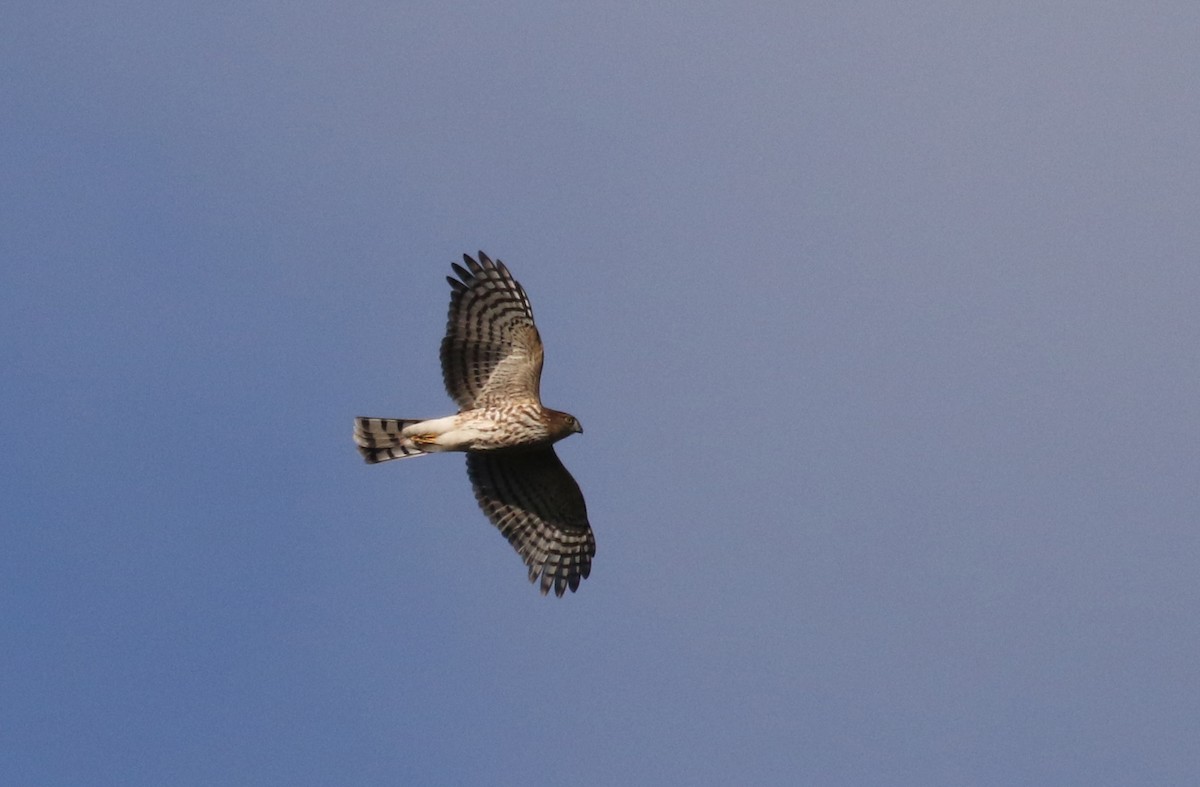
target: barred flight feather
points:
(491, 350)
(532, 499)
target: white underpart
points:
(452, 433)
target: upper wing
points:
(492, 351)
(538, 507)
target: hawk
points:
(492, 368)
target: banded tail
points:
(380, 439)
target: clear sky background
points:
(882, 320)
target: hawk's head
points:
(562, 424)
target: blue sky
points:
(881, 319)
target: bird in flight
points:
(492, 367)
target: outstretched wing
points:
(538, 507)
(492, 352)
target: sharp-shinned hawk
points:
(492, 367)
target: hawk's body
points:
(492, 367)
